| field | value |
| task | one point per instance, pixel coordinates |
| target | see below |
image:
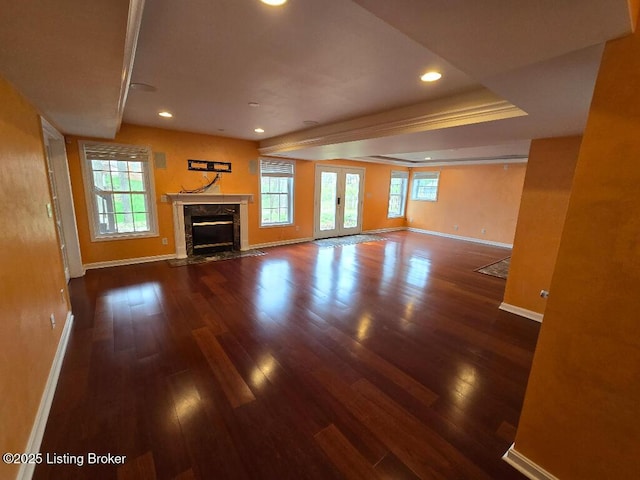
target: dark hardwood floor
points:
(381, 360)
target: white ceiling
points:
(512, 71)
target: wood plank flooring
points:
(382, 360)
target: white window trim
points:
(291, 195)
(92, 212)
(422, 176)
(404, 175)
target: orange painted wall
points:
(473, 197)
(545, 198)
(31, 276)
(580, 416)
(377, 179)
(634, 6)
(178, 147)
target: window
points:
(276, 192)
(425, 186)
(397, 194)
(119, 188)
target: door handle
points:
(338, 200)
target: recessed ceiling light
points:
(427, 158)
(165, 114)
(431, 76)
(274, 3)
(259, 130)
(254, 104)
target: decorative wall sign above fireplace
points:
(209, 166)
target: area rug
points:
(498, 269)
(181, 262)
(348, 240)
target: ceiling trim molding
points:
(444, 163)
(134, 22)
(482, 112)
(400, 163)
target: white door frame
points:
(341, 170)
(56, 153)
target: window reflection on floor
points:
(323, 273)
(364, 323)
(275, 292)
(389, 266)
(336, 273)
(464, 386)
(418, 272)
(263, 371)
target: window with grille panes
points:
(276, 192)
(120, 192)
(397, 194)
(425, 186)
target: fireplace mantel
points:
(195, 198)
(181, 199)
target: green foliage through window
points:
(276, 192)
(397, 194)
(425, 186)
(121, 191)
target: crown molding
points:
(444, 163)
(475, 107)
(134, 23)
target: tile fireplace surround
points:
(179, 200)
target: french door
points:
(338, 202)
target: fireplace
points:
(212, 234)
(211, 228)
(209, 208)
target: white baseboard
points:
(79, 274)
(383, 230)
(459, 237)
(525, 466)
(523, 312)
(128, 261)
(280, 243)
(37, 430)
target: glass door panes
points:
(351, 200)
(328, 203)
(338, 201)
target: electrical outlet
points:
(164, 199)
(483, 231)
(53, 320)
(455, 227)
(165, 241)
